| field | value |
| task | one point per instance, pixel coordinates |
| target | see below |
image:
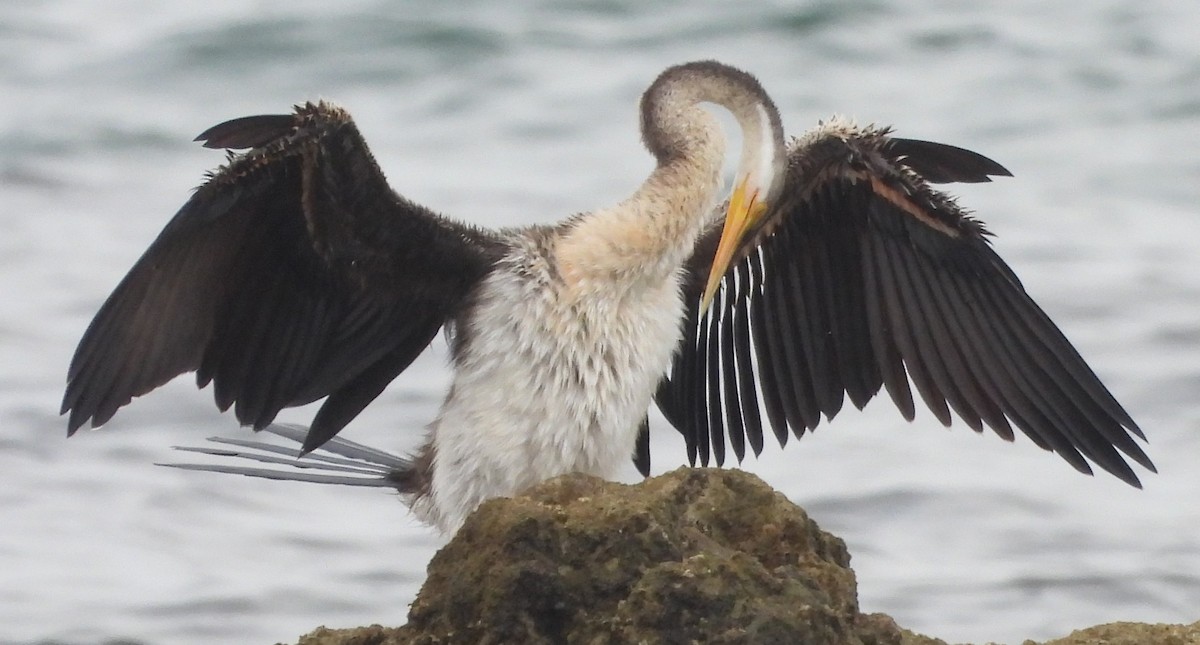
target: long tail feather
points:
(291, 460)
(343, 447)
(349, 464)
(284, 475)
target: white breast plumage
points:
(556, 379)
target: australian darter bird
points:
(295, 273)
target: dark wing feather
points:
(862, 277)
(940, 163)
(641, 448)
(294, 273)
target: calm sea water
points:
(524, 111)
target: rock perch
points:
(693, 556)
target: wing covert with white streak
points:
(863, 276)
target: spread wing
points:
(864, 276)
(294, 273)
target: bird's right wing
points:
(294, 273)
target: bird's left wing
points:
(862, 276)
(294, 273)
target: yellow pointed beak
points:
(745, 211)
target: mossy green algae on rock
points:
(696, 555)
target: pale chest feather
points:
(556, 377)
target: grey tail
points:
(348, 463)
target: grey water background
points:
(525, 111)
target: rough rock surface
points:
(693, 556)
(1131, 634)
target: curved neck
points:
(652, 233)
